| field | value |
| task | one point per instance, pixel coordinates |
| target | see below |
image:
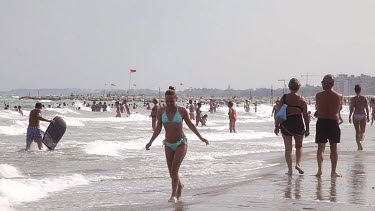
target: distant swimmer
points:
(232, 117)
(122, 108)
(273, 113)
(172, 117)
(126, 106)
(295, 126)
(20, 110)
(372, 110)
(104, 106)
(247, 106)
(199, 116)
(34, 133)
(360, 111)
(328, 105)
(204, 119)
(154, 112)
(118, 109)
(211, 106)
(191, 110)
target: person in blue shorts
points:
(34, 133)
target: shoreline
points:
(272, 188)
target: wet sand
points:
(275, 190)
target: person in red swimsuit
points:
(232, 117)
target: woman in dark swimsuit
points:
(296, 125)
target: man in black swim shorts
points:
(328, 105)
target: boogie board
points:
(54, 133)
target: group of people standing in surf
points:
(328, 108)
(296, 126)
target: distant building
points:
(345, 84)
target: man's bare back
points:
(328, 104)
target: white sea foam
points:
(9, 114)
(243, 135)
(9, 171)
(73, 121)
(45, 101)
(113, 148)
(18, 128)
(5, 205)
(16, 191)
(64, 110)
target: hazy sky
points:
(200, 43)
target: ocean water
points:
(101, 163)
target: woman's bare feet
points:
(173, 199)
(289, 173)
(318, 174)
(300, 171)
(179, 190)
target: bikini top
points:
(284, 99)
(177, 118)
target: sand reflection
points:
(320, 190)
(357, 180)
(293, 187)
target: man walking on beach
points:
(328, 105)
(34, 133)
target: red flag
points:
(133, 71)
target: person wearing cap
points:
(295, 126)
(328, 105)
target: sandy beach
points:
(101, 164)
(275, 190)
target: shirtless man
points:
(199, 116)
(328, 104)
(191, 110)
(359, 109)
(126, 106)
(273, 113)
(34, 133)
(118, 109)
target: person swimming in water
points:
(172, 117)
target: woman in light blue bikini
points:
(171, 118)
